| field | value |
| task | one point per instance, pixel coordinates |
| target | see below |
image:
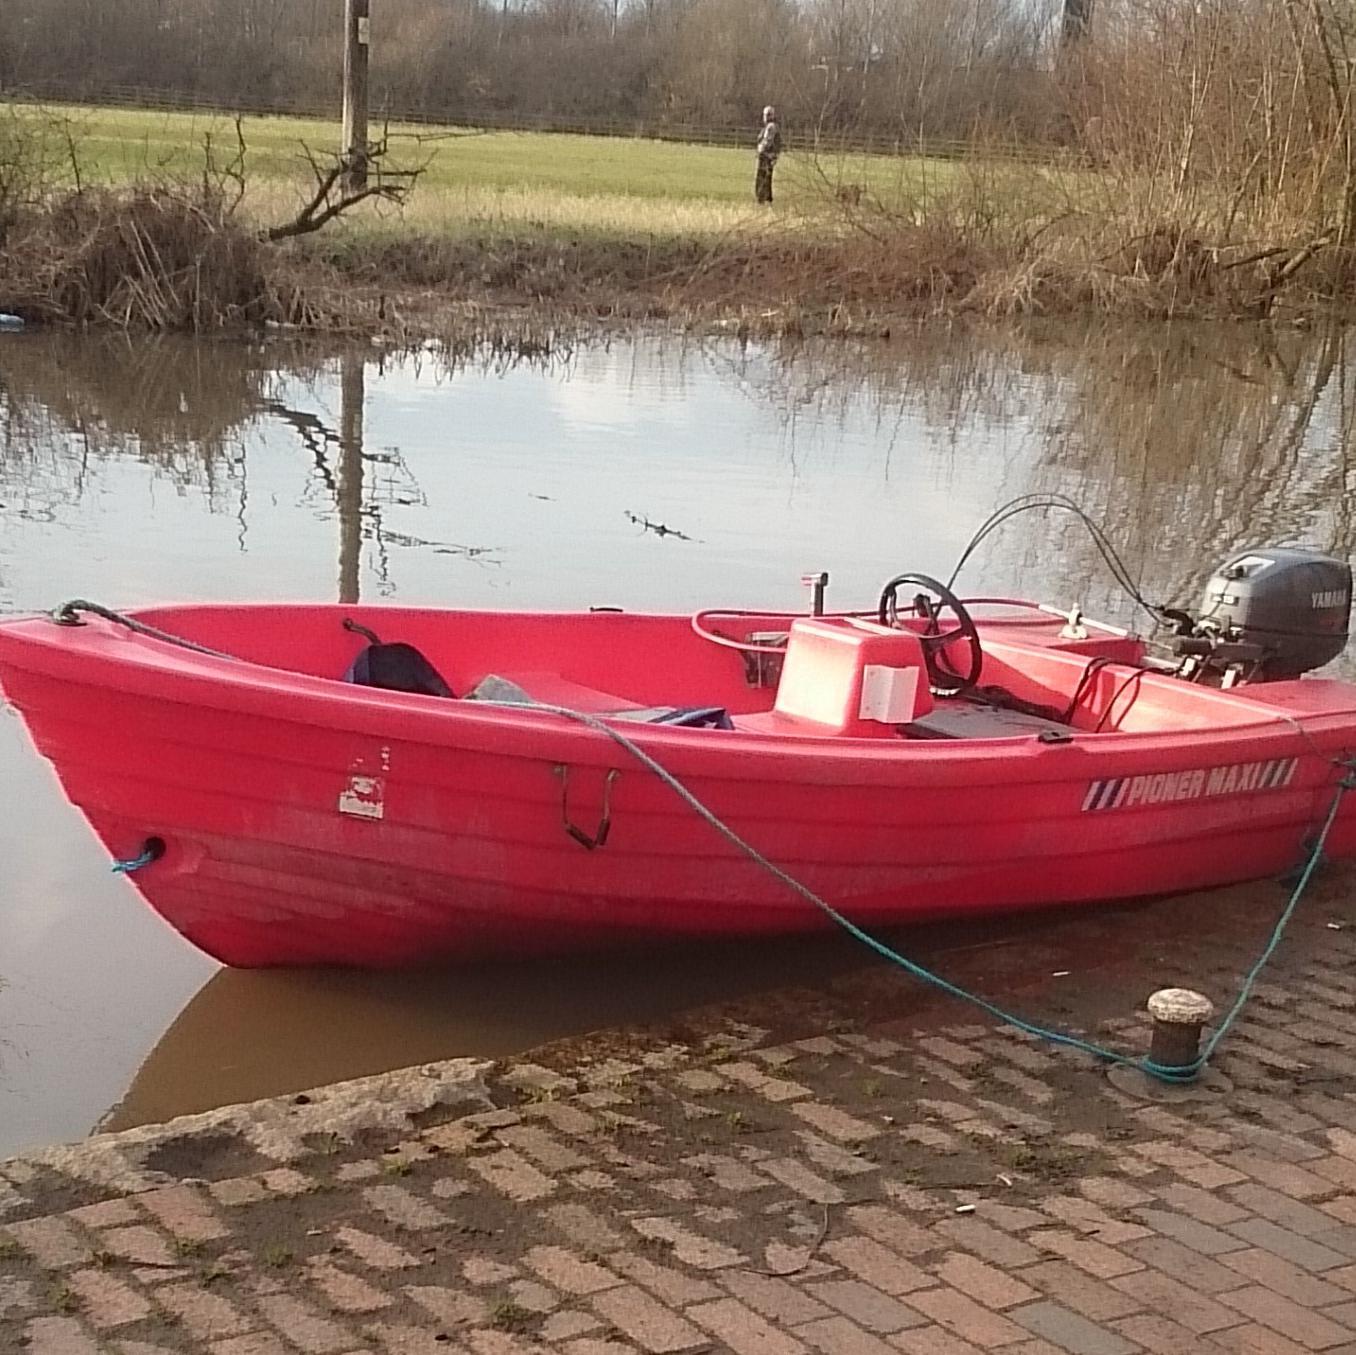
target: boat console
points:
(924, 668)
(847, 676)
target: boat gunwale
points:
(221, 676)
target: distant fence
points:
(820, 140)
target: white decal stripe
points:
(1273, 774)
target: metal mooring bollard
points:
(1179, 1014)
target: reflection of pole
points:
(357, 45)
(352, 389)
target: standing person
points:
(769, 148)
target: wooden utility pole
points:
(357, 47)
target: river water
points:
(140, 471)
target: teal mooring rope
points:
(136, 863)
(1184, 1073)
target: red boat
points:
(298, 791)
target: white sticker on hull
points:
(1125, 792)
(363, 798)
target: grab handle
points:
(599, 839)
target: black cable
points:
(1030, 502)
(1026, 503)
(999, 698)
(1136, 676)
(1094, 667)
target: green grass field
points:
(504, 182)
(609, 223)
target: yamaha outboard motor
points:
(1269, 615)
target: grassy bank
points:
(540, 226)
(500, 180)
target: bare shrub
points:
(33, 145)
(174, 254)
(1233, 119)
(158, 258)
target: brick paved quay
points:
(868, 1172)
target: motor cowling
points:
(1281, 611)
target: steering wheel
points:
(944, 675)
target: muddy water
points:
(134, 472)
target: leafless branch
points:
(332, 197)
(225, 181)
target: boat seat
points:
(958, 718)
(548, 689)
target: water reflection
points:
(144, 471)
(1185, 441)
(247, 1034)
(349, 491)
(250, 1034)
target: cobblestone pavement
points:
(893, 1185)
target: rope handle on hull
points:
(590, 842)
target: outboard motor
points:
(1269, 615)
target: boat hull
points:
(307, 824)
